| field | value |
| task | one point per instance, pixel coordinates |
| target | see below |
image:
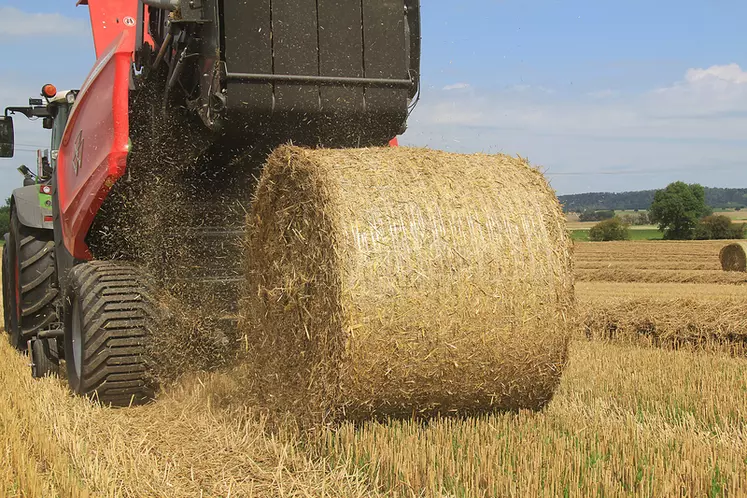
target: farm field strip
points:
(661, 247)
(643, 253)
(674, 323)
(655, 259)
(641, 298)
(587, 292)
(654, 276)
(600, 264)
(653, 262)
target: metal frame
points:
(29, 112)
(320, 80)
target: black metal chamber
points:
(331, 72)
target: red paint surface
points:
(108, 20)
(98, 131)
(394, 142)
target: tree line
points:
(680, 211)
(720, 198)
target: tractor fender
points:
(33, 207)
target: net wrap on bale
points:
(402, 281)
(734, 257)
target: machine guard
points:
(93, 153)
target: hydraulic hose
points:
(163, 4)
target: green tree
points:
(611, 229)
(713, 227)
(5, 218)
(598, 215)
(677, 209)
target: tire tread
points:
(117, 314)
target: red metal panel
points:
(109, 18)
(93, 153)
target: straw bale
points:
(400, 282)
(733, 257)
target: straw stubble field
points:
(627, 419)
(670, 294)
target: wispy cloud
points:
(532, 88)
(456, 86)
(692, 129)
(730, 73)
(717, 94)
(17, 23)
(706, 92)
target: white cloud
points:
(17, 23)
(730, 73)
(703, 92)
(692, 129)
(456, 86)
(717, 96)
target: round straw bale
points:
(734, 257)
(402, 281)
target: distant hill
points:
(717, 198)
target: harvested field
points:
(625, 420)
(648, 264)
(665, 321)
(54, 444)
(654, 276)
(654, 249)
(608, 292)
(652, 262)
(661, 294)
(393, 281)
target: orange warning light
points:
(49, 91)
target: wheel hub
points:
(77, 339)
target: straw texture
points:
(734, 257)
(399, 282)
(669, 321)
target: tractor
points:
(30, 294)
(153, 163)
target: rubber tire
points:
(111, 307)
(6, 286)
(33, 278)
(43, 358)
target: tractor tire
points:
(6, 286)
(33, 292)
(44, 362)
(109, 315)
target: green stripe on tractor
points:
(45, 201)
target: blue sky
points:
(604, 96)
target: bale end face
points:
(400, 282)
(733, 257)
